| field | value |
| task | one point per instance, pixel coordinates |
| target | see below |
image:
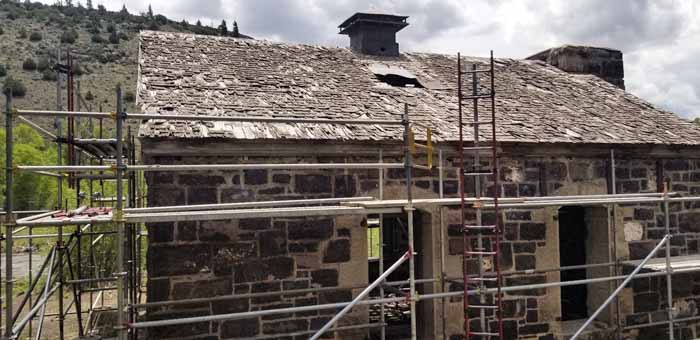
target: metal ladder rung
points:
(481, 253)
(481, 70)
(478, 173)
(479, 122)
(477, 148)
(484, 279)
(478, 96)
(479, 227)
(483, 307)
(483, 334)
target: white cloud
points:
(659, 39)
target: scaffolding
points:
(128, 215)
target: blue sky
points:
(660, 39)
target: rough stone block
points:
(201, 289)
(281, 178)
(325, 277)
(255, 223)
(337, 251)
(202, 195)
(272, 243)
(160, 232)
(187, 231)
(532, 329)
(311, 229)
(272, 268)
(177, 260)
(233, 195)
(345, 186)
(643, 214)
(227, 306)
(255, 177)
(159, 196)
(200, 180)
(158, 289)
(216, 231)
(532, 231)
(518, 215)
(226, 255)
(240, 328)
(177, 331)
(677, 165)
(285, 326)
(524, 262)
(556, 171)
(524, 247)
(335, 296)
(312, 184)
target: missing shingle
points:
(395, 76)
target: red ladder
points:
(481, 241)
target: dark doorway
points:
(395, 239)
(573, 233)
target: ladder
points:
(481, 240)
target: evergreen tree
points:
(150, 12)
(124, 13)
(234, 30)
(199, 23)
(223, 29)
(88, 4)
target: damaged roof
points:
(536, 103)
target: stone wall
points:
(531, 240)
(218, 258)
(214, 258)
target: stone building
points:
(557, 124)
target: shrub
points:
(22, 33)
(3, 71)
(2, 31)
(89, 96)
(18, 89)
(69, 36)
(111, 28)
(35, 36)
(29, 64)
(78, 69)
(48, 75)
(98, 39)
(129, 97)
(114, 37)
(43, 64)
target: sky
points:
(660, 39)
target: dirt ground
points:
(51, 322)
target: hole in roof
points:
(395, 76)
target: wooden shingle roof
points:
(536, 103)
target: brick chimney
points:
(605, 63)
(374, 34)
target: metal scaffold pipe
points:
(209, 167)
(361, 296)
(205, 117)
(9, 216)
(629, 278)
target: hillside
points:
(103, 43)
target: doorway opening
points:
(584, 239)
(573, 234)
(395, 244)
